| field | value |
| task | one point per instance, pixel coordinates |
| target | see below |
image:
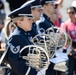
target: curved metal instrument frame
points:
(34, 57)
(47, 42)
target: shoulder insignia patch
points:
(14, 50)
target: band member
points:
(23, 19)
(44, 23)
(36, 9)
(48, 9)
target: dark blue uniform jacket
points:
(46, 23)
(15, 43)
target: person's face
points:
(50, 7)
(26, 23)
(54, 16)
(71, 13)
(36, 13)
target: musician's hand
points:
(42, 71)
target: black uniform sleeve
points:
(17, 64)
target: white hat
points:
(74, 3)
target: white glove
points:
(42, 71)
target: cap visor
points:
(30, 17)
(37, 6)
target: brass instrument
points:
(69, 40)
(36, 58)
(62, 40)
(59, 36)
(47, 42)
(69, 44)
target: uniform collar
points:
(21, 30)
(46, 17)
(34, 24)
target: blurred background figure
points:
(70, 27)
(2, 11)
(6, 31)
(2, 14)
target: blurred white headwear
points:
(74, 3)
